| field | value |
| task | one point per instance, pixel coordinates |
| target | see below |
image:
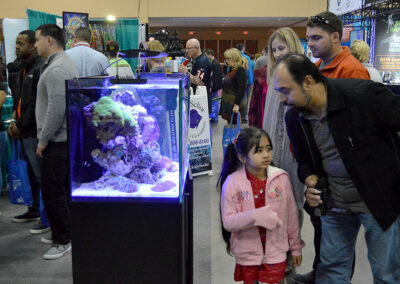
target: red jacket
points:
(344, 65)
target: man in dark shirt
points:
(24, 126)
(345, 130)
(201, 68)
(216, 75)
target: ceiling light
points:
(218, 32)
(110, 18)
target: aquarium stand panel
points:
(133, 242)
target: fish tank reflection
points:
(128, 140)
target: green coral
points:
(106, 110)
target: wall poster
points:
(72, 21)
(387, 47)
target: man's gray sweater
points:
(50, 103)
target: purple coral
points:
(129, 135)
(127, 98)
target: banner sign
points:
(340, 7)
(199, 133)
(387, 46)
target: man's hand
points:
(235, 108)
(182, 69)
(13, 131)
(296, 260)
(197, 81)
(39, 150)
(312, 195)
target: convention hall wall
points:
(164, 8)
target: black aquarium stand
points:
(133, 241)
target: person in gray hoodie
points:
(51, 123)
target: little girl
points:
(258, 211)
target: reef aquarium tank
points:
(128, 140)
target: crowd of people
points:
(321, 138)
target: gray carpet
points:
(21, 253)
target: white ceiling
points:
(227, 22)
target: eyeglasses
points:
(321, 20)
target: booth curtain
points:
(37, 18)
(127, 35)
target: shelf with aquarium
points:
(128, 140)
(131, 194)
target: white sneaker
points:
(57, 251)
(46, 241)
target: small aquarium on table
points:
(130, 190)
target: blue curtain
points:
(37, 18)
(127, 35)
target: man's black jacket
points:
(26, 91)
(363, 119)
(216, 77)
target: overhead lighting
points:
(218, 32)
(245, 32)
(110, 18)
(191, 32)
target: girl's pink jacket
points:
(279, 216)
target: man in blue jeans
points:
(346, 130)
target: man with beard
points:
(346, 131)
(324, 34)
(24, 125)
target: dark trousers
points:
(56, 190)
(316, 222)
(29, 146)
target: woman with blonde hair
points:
(155, 64)
(233, 99)
(282, 42)
(360, 50)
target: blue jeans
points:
(394, 265)
(338, 240)
(3, 142)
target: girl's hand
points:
(235, 109)
(265, 217)
(296, 260)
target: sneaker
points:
(47, 241)
(307, 278)
(39, 228)
(57, 251)
(28, 216)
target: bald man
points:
(201, 68)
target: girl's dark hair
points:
(247, 139)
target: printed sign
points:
(340, 7)
(387, 46)
(199, 133)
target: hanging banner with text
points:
(199, 133)
(387, 45)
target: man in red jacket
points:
(324, 34)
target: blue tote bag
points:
(20, 189)
(230, 132)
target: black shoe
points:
(307, 278)
(28, 216)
